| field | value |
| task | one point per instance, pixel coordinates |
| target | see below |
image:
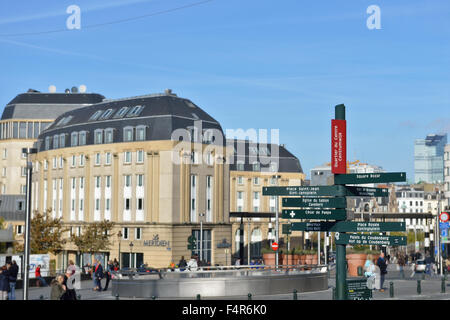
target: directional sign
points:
(323, 214)
(349, 226)
(366, 192)
(340, 202)
(307, 191)
(444, 233)
(362, 178)
(357, 290)
(363, 239)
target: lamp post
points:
(131, 253)
(201, 215)
(26, 275)
(119, 238)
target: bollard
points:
(443, 285)
(419, 288)
(334, 293)
(360, 271)
(79, 297)
(391, 289)
(249, 296)
(153, 298)
(295, 294)
(198, 297)
(41, 297)
(117, 296)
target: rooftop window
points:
(107, 114)
(135, 111)
(121, 113)
(95, 115)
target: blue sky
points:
(252, 64)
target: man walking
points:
(98, 275)
(381, 263)
(108, 274)
(13, 271)
(38, 276)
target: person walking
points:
(13, 270)
(381, 263)
(182, 264)
(401, 264)
(71, 268)
(108, 273)
(98, 275)
(58, 288)
(69, 282)
(192, 264)
(4, 283)
(38, 276)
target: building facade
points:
(154, 165)
(23, 119)
(254, 166)
(429, 158)
(447, 174)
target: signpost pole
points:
(341, 268)
(276, 225)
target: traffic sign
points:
(444, 225)
(322, 214)
(349, 226)
(340, 202)
(363, 239)
(366, 192)
(444, 216)
(444, 233)
(274, 246)
(362, 178)
(305, 191)
(357, 290)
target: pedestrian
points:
(13, 271)
(108, 273)
(381, 263)
(71, 268)
(69, 282)
(401, 264)
(182, 264)
(58, 288)
(98, 275)
(428, 265)
(4, 283)
(38, 276)
(192, 265)
(116, 265)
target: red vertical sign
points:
(338, 146)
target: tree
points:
(94, 238)
(46, 234)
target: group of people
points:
(8, 278)
(63, 286)
(376, 270)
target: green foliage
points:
(46, 234)
(1, 223)
(94, 238)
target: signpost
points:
(366, 192)
(307, 191)
(325, 214)
(340, 202)
(363, 239)
(362, 178)
(286, 228)
(349, 226)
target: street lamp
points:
(201, 215)
(131, 252)
(26, 275)
(119, 237)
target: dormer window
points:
(82, 138)
(107, 114)
(128, 134)
(140, 133)
(55, 142)
(121, 113)
(74, 139)
(95, 115)
(98, 136)
(135, 111)
(109, 135)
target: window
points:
(81, 182)
(121, 112)
(23, 171)
(81, 160)
(109, 135)
(135, 111)
(73, 183)
(256, 195)
(97, 182)
(74, 161)
(240, 180)
(55, 163)
(240, 195)
(256, 166)
(128, 181)
(82, 138)
(95, 115)
(107, 114)
(140, 180)
(108, 181)
(97, 204)
(140, 156)
(47, 143)
(97, 158)
(61, 162)
(20, 205)
(98, 136)
(256, 180)
(5, 153)
(128, 134)
(127, 204)
(19, 230)
(138, 233)
(45, 164)
(240, 166)
(24, 189)
(81, 204)
(127, 157)
(74, 139)
(23, 130)
(140, 204)
(108, 204)
(140, 133)
(62, 140)
(108, 158)
(125, 233)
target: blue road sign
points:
(444, 232)
(444, 225)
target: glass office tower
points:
(429, 158)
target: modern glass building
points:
(429, 158)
